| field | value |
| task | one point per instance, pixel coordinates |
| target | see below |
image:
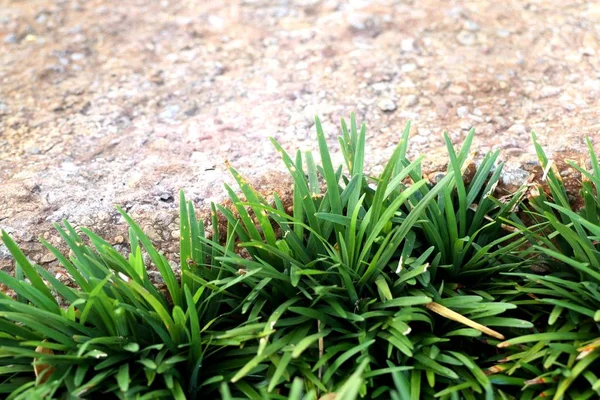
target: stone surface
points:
(126, 102)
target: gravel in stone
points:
(466, 38)
(518, 129)
(410, 67)
(387, 105)
(412, 100)
(471, 26)
(11, 38)
(550, 91)
(408, 45)
(365, 23)
(462, 111)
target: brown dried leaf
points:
(329, 396)
(453, 315)
(43, 370)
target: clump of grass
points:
(361, 268)
(562, 358)
(115, 332)
(375, 287)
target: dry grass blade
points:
(587, 349)
(329, 396)
(43, 370)
(321, 349)
(454, 316)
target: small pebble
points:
(462, 111)
(466, 38)
(408, 45)
(41, 18)
(386, 105)
(77, 56)
(503, 33)
(47, 258)
(518, 129)
(409, 67)
(471, 26)
(359, 22)
(380, 86)
(11, 38)
(412, 100)
(465, 125)
(550, 91)
(169, 112)
(32, 150)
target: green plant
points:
(562, 357)
(116, 332)
(464, 223)
(352, 282)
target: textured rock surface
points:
(125, 102)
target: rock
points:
(503, 33)
(170, 112)
(26, 237)
(386, 104)
(41, 18)
(310, 112)
(411, 100)
(410, 67)
(408, 45)
(166, 197)
(11, 38)
(48, 258)
(471, 26)
(77, 56)
(4, 253)
(588, 51)
(192, 110)
(380, 86)
(589, 44)
(32, 150)
(514, 178)
(462, 111)
(518, 129)
(465, 125)
(95, 106)
(549, 91)
(466, 38)
(103, 216)
(152, 234)
(436, 177)
(365, 23)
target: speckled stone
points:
(100, 108)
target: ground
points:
(126, 102)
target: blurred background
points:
(126, 102)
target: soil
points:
(126, 102)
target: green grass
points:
(373, 287)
